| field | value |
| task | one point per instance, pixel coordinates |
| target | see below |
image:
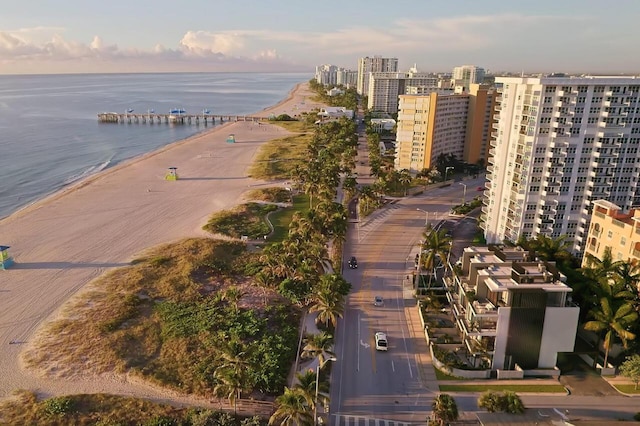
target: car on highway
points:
(353, 263)
(378, 301)
(481, 188)
(381, 341)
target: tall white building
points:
(466, 75)
(367, 65)
(559, 144)
(327, 74)
(385, 87)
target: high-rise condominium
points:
(467, 75)
(368, 65)
(560, 143)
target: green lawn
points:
(631, 389)
(514, 388)
(282, 218)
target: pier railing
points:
(151, 118)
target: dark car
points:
(353, 263)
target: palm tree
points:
(307, 385)
(318, 346)
(614, 321)
(292, 410)
(230, 384)
(437, 245)
(329, 306)
(552, 249)
(445, 409)
(600, 268)
(405, 179)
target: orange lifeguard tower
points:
(172, 174)
(5, 260)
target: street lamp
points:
(318, 367)
(426, 216)
(446, 171)
(464, 193)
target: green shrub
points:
(58, 405)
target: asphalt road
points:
(369, 384)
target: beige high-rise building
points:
(429, 126)
(368, 65)
(482, 101)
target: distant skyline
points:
(78, 36)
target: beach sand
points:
(68, 239)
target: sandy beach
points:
(66, 240)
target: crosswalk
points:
(346, 420)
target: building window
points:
(610, 234)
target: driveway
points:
(581, 379)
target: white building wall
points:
(558, 334)
(500, 345)
(559, 144)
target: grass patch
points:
(103, 409)
(299, 126)
(441, 375)
(278, 158)
(282, 218)
(270, 195)
(514, 388)
(630, 389)
(245, 219)
(171, 322)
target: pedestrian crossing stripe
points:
(346, 420)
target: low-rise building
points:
(512, 308)
(335, 112)
(382, 124)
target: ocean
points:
(50, 136)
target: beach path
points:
(63, 242)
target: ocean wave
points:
(87, 172)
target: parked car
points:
(381, 341)
(378, 301)
(353, 263)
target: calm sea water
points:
(50, 136)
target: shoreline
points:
(64, 241)
(88, 179)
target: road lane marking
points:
(393, 367)
(404, 339)
(358, 364)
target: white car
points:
(381, 341)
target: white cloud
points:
(514, 40)
(203, 43)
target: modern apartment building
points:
(385, 87)
(367, 65)
(467, 75)
(429, 126)
(479, 124)
(611, 228)
(512, 308)
(560, 143)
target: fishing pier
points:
(170, 118)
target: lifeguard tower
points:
(231, 138)
(172, 174)
(5, 260)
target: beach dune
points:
(63, 242)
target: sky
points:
(86, 36)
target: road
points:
(368, 384)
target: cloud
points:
(505, 40)
(203, 43)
